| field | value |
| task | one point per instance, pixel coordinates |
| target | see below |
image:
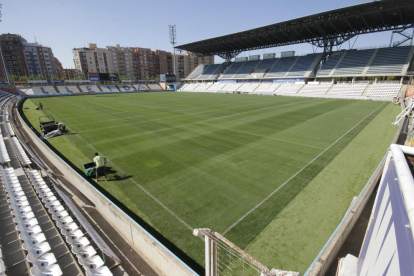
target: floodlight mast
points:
(173, 41)
(2, 56)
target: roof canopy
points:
(318, 29)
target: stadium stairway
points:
(370, 61)
(367, 90)
(84, 213)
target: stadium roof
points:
(330, 27)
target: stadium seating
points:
(21, 154)
(42, 90)
(89, 88)
(68, 89)
(4, 156)
(126, 87)
(154, 87)
(289, 88)
(348, 89)
(109, 88)
(231, 87)
(218, 86)
(303, 65)
(248, 87)
(203, 87)
(330, 64)
(212, 71)
(389, 60)
(280, 69)
(267, 88)
(262, 68)
(10, 129)
(246, 69)
(384, 90)
(316, 88)
(231, 70)
(354, 62)
(25, 91)
(192, 86)
(140, 87)
(183, 87)
(197, 72)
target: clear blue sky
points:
(67, 24)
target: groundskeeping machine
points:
(47, 124)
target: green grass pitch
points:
(231, 163)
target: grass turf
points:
(183, 161)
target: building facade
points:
(134, 63)
(20, 58)
(12, 59)
(39, 60)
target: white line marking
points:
(142, 188)
(293, 176)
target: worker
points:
(61, 127)
(100, 166)
(40, 105)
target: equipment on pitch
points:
(47, 124)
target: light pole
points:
(173, 41)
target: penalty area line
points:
(293, 176)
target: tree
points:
(53, 77)
(121, 78)
(31, 78)
(14, 77)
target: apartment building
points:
(69, 74)
(59, 67)
(12, 57)
(39, 60)
(93, 60)
(22, 58)
(131, 62)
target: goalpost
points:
(224, 258)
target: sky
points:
(67, 24)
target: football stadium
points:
(260, 165)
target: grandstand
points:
(126, 88)
(140, 87)
(212, 71)
(246, 69)
(109, 88)
(89, 88)
(248, 87)
(316, 88)
(68, 89)
(267, 88)
(349, 89)
(154, 87)
(41, 90)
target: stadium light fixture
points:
(173, 41)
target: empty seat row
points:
(21, 154)
(289, 88)
(4, 156)
(267, 88)
(349, 89)
(74, 236)
(34, 240)
(10, 129)
(384, 90)
(316, 88)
